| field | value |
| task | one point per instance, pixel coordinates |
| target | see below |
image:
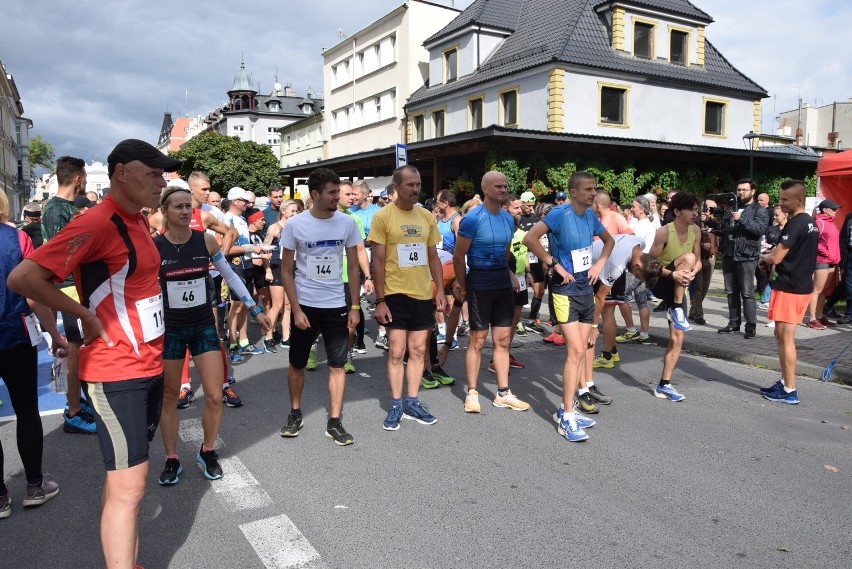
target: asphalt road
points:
(723, 479)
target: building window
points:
(273, 137)
(714, 117)
(438, 123)
(508, 109)
(474, 113)
(287, 145)
(678, 47)
(613, 104)
(451, 65)
(643, 40)
(417, 127)
(238, 130)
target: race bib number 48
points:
(150, 313)
(411, 254)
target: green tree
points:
(42, 154)
(230, 162)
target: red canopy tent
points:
(835, 181)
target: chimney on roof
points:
(289, 91)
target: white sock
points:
(643, 334)
(788, 390)
(185, 386)
(583, 390)
(632, 330)
(442, 329)
(571, 417)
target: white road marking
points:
(280, 544)
(191, 431)
(238, 487)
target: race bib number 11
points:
(150, 313)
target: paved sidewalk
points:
(815, 348)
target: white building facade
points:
(369, 76)
(829, 126)
(638, 70)
(14, 145)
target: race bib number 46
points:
(150, 313)
(186, 294)
(411, 254)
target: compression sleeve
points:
(235, 282)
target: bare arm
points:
(354, 284)
(437, 277)
(289, 282)
(364, 263)
(229, 234)
(459, 253)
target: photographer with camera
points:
(741, 249)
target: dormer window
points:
(643, 40)
(678, 47)
(451, 65)
(274, 106)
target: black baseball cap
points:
(134, 149)
(830, 204)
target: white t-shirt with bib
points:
(320, 245)
(617, 261)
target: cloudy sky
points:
(93, 73)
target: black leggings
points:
(19, 369)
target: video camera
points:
(726, 204)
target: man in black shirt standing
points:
(794, 258)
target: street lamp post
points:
(749, 140)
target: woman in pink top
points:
(828, 255)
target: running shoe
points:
(558, 340)
(816, 325)
(417, 411)
(676, 317)
(443, 377)
(81, 423)
(230, 398)
(231, 379)
(269, 347)
(360, 347)
(285, 344)
(668, 392)
(293, 426)
(596, 394)
(392, 420)
(185, 397)
(825, 321)
(782, 396)
(535, 326)
(440, 338)
(250, 350)
(520, 330)
(428, 381)
(832, 312)
(171, 473)
(349, 367)
(5, 505)
(582, 421)
(38, 494)
(587, 403)
(517, 364)
(84, 407)
(774, 387)
(628, 336)
(509, 401)
(462, 328)
(453, 345)
(602, 362)
(208, 460)
(382, 343)
(339, 435)
(549, 339)
(312, 361)
(642, 338)
(471, 401)
(615, 357)
(763, 306)
(571, 431)
(234, 356)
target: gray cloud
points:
(92, 73)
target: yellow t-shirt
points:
(407, 236)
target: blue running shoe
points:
(251, 350)
(557, 416)
(417, 411)
(392, 420)
(85, 407)
(584, 422)
(572, 433)
(234, 356)
(677, 318)
(774, 387)
(453, 345)
(782, 396)
(668, 392)
(82, 423)
(209, 462)
(440, 338)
